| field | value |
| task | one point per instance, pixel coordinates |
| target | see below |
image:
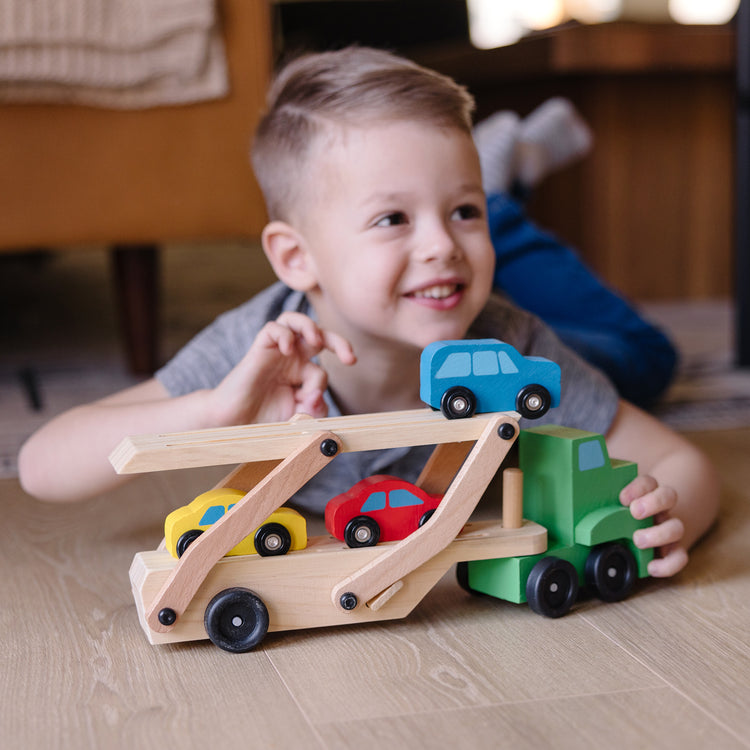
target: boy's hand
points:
(646, 498)
(277, 378)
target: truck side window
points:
(485, 363)
(506, 364)
(590, 455)
(456, 365)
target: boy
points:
(378, 232)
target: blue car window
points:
(456, 365)
(506, 364)
(376, 501)
(212, 515)
(590, 455)
(404, 499)
(485, 363)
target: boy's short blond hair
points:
(348, 87)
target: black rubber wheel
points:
(272, 539)
(362, 531)
(236, 620)
(611, 571)
(462, 576)
(426, 516)
(552, 587)
(186, 540)
(458, 403)
(533, 401)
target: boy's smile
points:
(396, 235)
(441, 296)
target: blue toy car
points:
(486, 375)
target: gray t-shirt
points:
(588, 400)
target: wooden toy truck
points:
(236, 600)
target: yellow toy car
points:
(285, 529)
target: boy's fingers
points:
(309, 396)
(675, 559)
(313, 379)
(662, 499)
(661, 535)
(641, 485)
(275, 335)
(313, 405)
(300, 327)
(340, 347)
(316, 338)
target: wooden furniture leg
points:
(136, 275)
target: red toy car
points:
(379, 508)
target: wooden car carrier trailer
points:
(205, 594)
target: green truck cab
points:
(572, 487)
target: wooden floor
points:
(670, 667)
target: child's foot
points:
(551, 137)
(516, 155)
(496, 139)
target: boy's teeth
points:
(437, 292)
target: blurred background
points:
(129, 216)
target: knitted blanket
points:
(111, 53)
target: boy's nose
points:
(438, 244)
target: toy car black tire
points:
(462, 576)
(458, 403)
(611, 571)
(236, 620)
(362, 531)
(426, 516)
(272, 539)
(533, 401)
(552, 587)
(186, 540)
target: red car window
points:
(403, 499)
(376, 501)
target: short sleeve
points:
(205, 360)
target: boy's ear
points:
(286, 251)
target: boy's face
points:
(396, 233)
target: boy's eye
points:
(467, 211)
(392, 219)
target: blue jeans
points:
(549, 280)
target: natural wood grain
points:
(652, 718)
(454, 652)
(273, 484)
(69, 675)
(512, 498)
(454, 510)
(248, 513)
(246, 476)
(701, 618)
(261, 442)
(296, 588)
(667, 667)
(442, 467)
